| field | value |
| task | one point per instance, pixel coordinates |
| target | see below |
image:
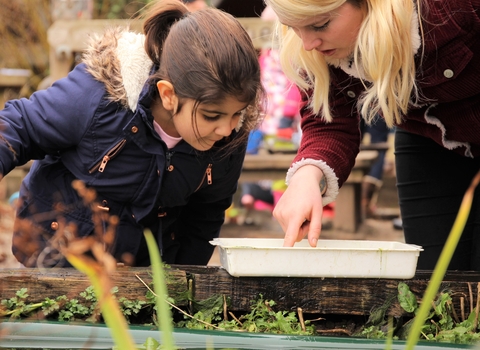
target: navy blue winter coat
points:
(77, 130)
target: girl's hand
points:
(299, 210)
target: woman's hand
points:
(299, 210)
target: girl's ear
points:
(167, 95)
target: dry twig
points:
(175, 306)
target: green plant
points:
(263, 318)
(108, 304)
(440, 324)
(163, 310)
(16, 306)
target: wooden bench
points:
(348, 211)
(69, 37)
(378, 146)
(348, 205)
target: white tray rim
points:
(228, 243)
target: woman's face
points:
(214, 121)
(332, 34)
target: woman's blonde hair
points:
(384, 50)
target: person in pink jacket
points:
(415, 62)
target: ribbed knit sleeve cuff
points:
(332, 180)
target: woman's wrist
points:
(317, 173)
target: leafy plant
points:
(108, 304)
(207, 313)
(440, 324)
(263, 318)
(16, 307)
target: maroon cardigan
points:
(449, 81)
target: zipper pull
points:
(209, 174)
(168, 157)
(103, 164)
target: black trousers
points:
(431, 183)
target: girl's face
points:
(213, 121)
(332, 34)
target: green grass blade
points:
(160, 288)
(112, 315)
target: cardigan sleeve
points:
(332, 146)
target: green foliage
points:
(73, 310)
(117, 9)
(206, 313)
(131, 307)
(440, 324)
(50, 306)
(373, 332)
(64, 309)
(406, 298)
(263, 318)
(17, 306)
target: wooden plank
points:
(282, 161)
(258, 167)
(378, 146)
(14, 78)
(279, 161)
(42, 283)
(314, 295)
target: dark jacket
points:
(96, 131)
(449, 82)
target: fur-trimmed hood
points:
(118, 59)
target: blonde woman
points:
(417, 63)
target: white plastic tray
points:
(331, 258)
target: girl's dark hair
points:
(207, 55)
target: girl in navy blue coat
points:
(149, 131)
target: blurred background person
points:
(373, 181)
(279, 130)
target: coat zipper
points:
(207, 175)
(100, 166)
(168, 157)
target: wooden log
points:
(54, 282)
(342, 296)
